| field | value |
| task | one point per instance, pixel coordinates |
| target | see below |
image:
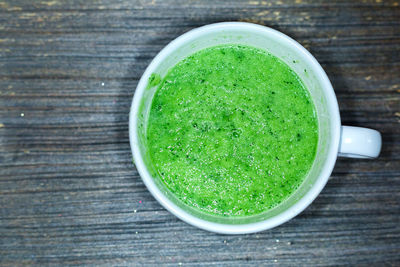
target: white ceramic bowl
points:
(334, 139)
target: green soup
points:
(232, 130)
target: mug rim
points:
(278, 219)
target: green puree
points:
(232, 130)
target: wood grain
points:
(69, 193)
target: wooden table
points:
(69, 193)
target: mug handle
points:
(358, 142)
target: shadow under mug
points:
(334, 139)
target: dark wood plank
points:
(69, 193)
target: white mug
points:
(334, 139)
